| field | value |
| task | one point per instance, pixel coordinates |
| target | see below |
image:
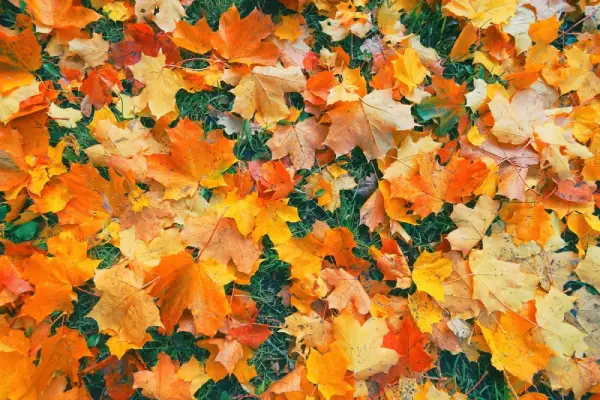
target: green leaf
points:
(25, 232)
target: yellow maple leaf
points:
(429, 271)
(483, 13)
(500, 285)
(124, 309)
(362, 344)
(561, 337)
(161, 85)
(513, 349)
(472, 223)
(272, 220)
(262, 91)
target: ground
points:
(478, 380)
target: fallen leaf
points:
(328, 371)
(160, 84)
(410, 344)
(429, 271)
(164, 13)
(347, 290)
(472, 224)
(184, 284)
(368, 124)
(363, 345)
(233, 42)
(262, 91)
(93, 52)
(298, 141)
(125, 309)
(500, 285)
(513, 349)
(180, 171)
(162, 381)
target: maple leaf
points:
(483, 13)
(147, 213)
(116, 142)
(91, 199)
(194, 373)
(162, 382)
(522, 217)
(310, 331)
(372, 212)
(579, 75)
(588, 268)
(182, 171)
(293, 383)
(392, 263)
(514, 121)
(262, 91)
(217, 371)
(557, 150)
(368, 124)
(124, 309)
(241, 40)
(408, 70)
(298, 141)
(347, 289)
(251, 334)
(17, 371)
(558, 335)
(272, 220)
(436, 184)
(161, 85)
(446, 106)
(273, 180)
(458, 289)
(60, 354)
(12, 285)
(66, 117)
(500, 285)
(410, 344)
(19, 57)
(425, 311)
(54, 277)
(229, 354)
(347, 20)
(169, 12)
(195, 37)
(189, 219)
(577, 192)
(93, 52)
(553, 269)
(429, 271)
(10, 102)
(327, 186)
(219, 239)
(61, 14)
(513, 349)
(184, 284)
(29, 163)
(303, 257)
(588, 311)
(472, 224)
(363, 345)
(98, 86)
(407, 155)
(339, 243)
(579, 375)
(328, 371)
